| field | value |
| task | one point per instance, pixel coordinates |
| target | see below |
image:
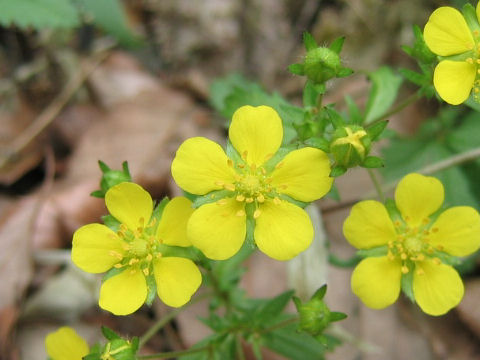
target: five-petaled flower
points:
(414, 243)
(252, 187)
(66, 344)
(136, 251)
(447, 34)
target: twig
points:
(51, 112)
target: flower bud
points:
(314, 316)
(321, 64)
(350, 146)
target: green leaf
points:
(269, 310)
(384, 90)
(375, 130)
(293, 345)
(376, 251)
(337, 44)
(110, 16)
(373, 162)
(309, 41)
(109, 333)
(296, 69)
(38, 14)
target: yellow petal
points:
(177, 280)
(417, 197)
(173, 224)
(457, 231)
(453, 80)
(218, 230)
(447, 33)
(130, 204)
(376, 281)
(282, 231)
(368, 225)
(201, 166)
(437, 288)
(124, 293)
(258, 131)
(303, 174)
(66, 344)
(96, 248)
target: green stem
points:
(279, 325)
(347, 263)
(173, 354)
(402, 105)
(168, 317)
(239, 348)
(377, 185)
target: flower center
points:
(411, 245)
(475, 60)
(140, 248)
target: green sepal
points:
(270, 164)
(470, 15)
(372, 162)
(376, 129)
(180, 251)
(151, 289)
(210, 197)
(111, 178)
(319, 143)
(320, 293)
(337, 316)
(158, 211)
(249, 236)
(344, 72)
(111, 273)
(91, 356)
(393, 211)
(446, 258)
(337, 44)
(337, 171)
(299, 203)
(309, 41)
(110, 222)
(407, 284)
(374, 252)
(344, 263)
(109, 334)
(296, 69)
(233, 154)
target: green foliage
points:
(109, 15)
(452, 132)
(384, 91)
(38, 14)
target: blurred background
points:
(112, 80)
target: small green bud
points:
(321, 64)
(315, 316)
(350, 146)
(111, 178)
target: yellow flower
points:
(65, 344)
(251, 187)
(415, 241)
(137, 250)
(447, 33)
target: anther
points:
(403, 256)
(241, 166)
(469, 60)
(279, 165)
(420, 257)
(256, 214)
(116, 254)
(249, 200)
(405, 269)
(240, 198)
(397, 223)
(268, 157)
(118, 266)
(230, 162)
(253, 167)
(149, 257)
(244, 155)
(133, 261)
(146, 272)
(437, 261)
(264, 172)
(158, 255)
(260, 198)
(276, 201)
(420, 272)
(435, 229)
(390, 256)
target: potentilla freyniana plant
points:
(251, 196)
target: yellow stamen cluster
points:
(475, 60)
(252, 185)
(411, 245)
(140, 248)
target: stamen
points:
(420, 272)
(469, 60)
(279, 165)
(264, 172)
(256, 214)
(260, 198)
(437, 261)
(405, 269)
(244, 155)
(268, 156)
(240, 198)
(277, 201)
(149, 257)
(146, 272)
(118, 266)
(241, 166)
(249, 200)
(230, 162)
(133, 261)
(403, 256)
(229, 187)
(253, 167)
